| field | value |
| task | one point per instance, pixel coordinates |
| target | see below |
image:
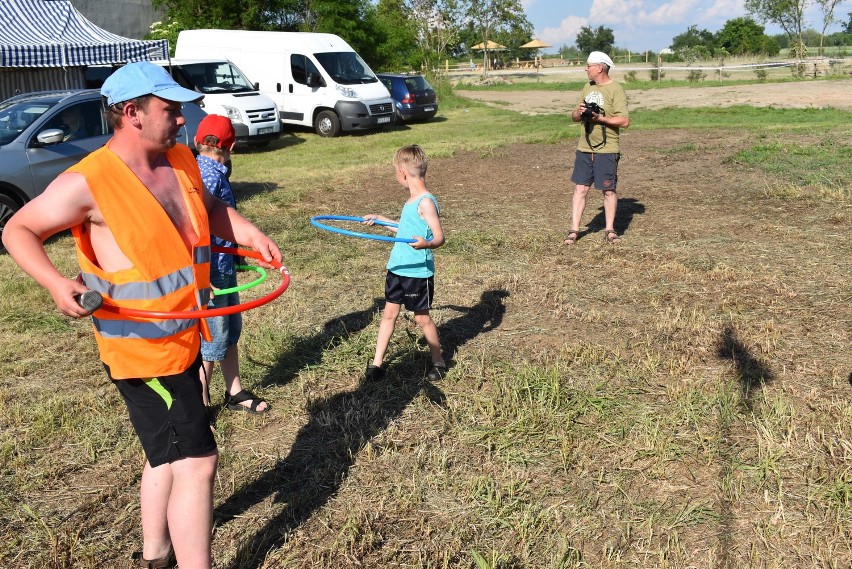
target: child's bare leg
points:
(430, 332)
(190, 510)
(204, 375)
(386, 327)
(231, 372)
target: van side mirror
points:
(256, 86)
(315, 80)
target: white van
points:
(317, 80)
(228, 92)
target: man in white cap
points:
(603, 112)
(142, 220)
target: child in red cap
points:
(214, 141)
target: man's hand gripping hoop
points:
(209, 313)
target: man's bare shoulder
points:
(67, 201)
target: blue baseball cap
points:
(144, 78)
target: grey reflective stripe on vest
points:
(145, 330)
(141, 290)
(203, 296)
(201, 255)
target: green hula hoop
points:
(238, 288)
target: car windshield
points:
(16, 116)
(215, 77)
(346, 67)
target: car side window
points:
(79, 121)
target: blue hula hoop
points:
(315, 221)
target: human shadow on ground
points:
(337, 430)
(624, 213)
(308, 350)
(484, 316)
(752, 375)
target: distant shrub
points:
(657, 74)
(696, 75)
(761, 74)
(631, 76)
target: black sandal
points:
(232, 402)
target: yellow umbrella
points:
(489, 45)
(536, 44)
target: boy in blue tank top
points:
(411, 266)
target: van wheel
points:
(8, 207)
(327, 124)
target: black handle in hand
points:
(90, 300)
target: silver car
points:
(42, 134)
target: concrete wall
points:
(128, 18)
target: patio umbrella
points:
(489, 45)
(536, 45)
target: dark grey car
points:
(413, 96)
(42, 134)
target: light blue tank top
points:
(405, 260)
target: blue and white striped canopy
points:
(52, 33)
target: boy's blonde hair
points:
(412, 159)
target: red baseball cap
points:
(218, 126)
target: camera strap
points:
(589, 127)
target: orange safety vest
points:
(165, 276)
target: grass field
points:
(678, 401)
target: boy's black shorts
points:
(412, 292)
(168, 415)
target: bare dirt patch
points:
(799, 94)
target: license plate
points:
(266, 130)
(381, 120)
(428, 109)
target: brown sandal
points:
(167, 562)
(611, 236)
(571, 237)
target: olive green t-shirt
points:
(613, 100)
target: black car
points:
(413, 96)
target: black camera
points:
(592, 108)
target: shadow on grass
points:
(338, 429)
(308, 350)
(624, 213)
(752, 374)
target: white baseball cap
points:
(600, 57)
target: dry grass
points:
(680, 400)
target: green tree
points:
(789, 15)
(693, 37)
(487, 18)
(826, 7)
(847, 27)
(401, 48)
(601, 39)
(742, 36)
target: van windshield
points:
(346, 67)
(212, 77)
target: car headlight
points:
(233, 113)
(347, 92)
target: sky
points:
(640, 25)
